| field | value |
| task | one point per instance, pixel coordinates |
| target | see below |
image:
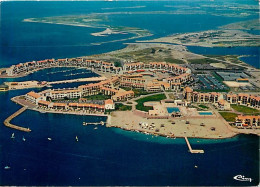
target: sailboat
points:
(12, 136)
(77, 139)
(24, 139)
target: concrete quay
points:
(78, 80)
(17, 113)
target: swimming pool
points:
(172, 109)
(205, 113)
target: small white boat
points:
(12, 136)
(84, 123)
(49, 139)
(196, 166)
(95, 128)
(24, 139)
(77, 139)
(7, 167)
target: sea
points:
(109, 156)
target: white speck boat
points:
(77, 139)
(24, 139)
(95, 128)
(49, 139)
(12, 136)
(7, 167)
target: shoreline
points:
(172, 137)
(109, 125)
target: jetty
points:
(99, 123)
(190, 148)
(17, 113)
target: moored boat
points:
(7, 167)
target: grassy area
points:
(220, 57)
(98, 97)
(121, 107)
(174, 61)
(203, 106)
(228, 116)
(117, 64)
(140, 102)
(137, 92)
(202, 61)
(245, 109)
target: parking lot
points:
(208, 82)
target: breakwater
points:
(17, 113)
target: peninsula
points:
(231, 35)
(152, 97)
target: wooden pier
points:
(8, 124)
(193, 150)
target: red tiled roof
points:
(34, 95)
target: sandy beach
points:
(129, 120)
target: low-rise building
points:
(65, 93)
(247, 121)
(44, 104)
(223, 104)
(34, 97)
(123, 95)
(109, 104)
(153, 86)
(244, 99)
